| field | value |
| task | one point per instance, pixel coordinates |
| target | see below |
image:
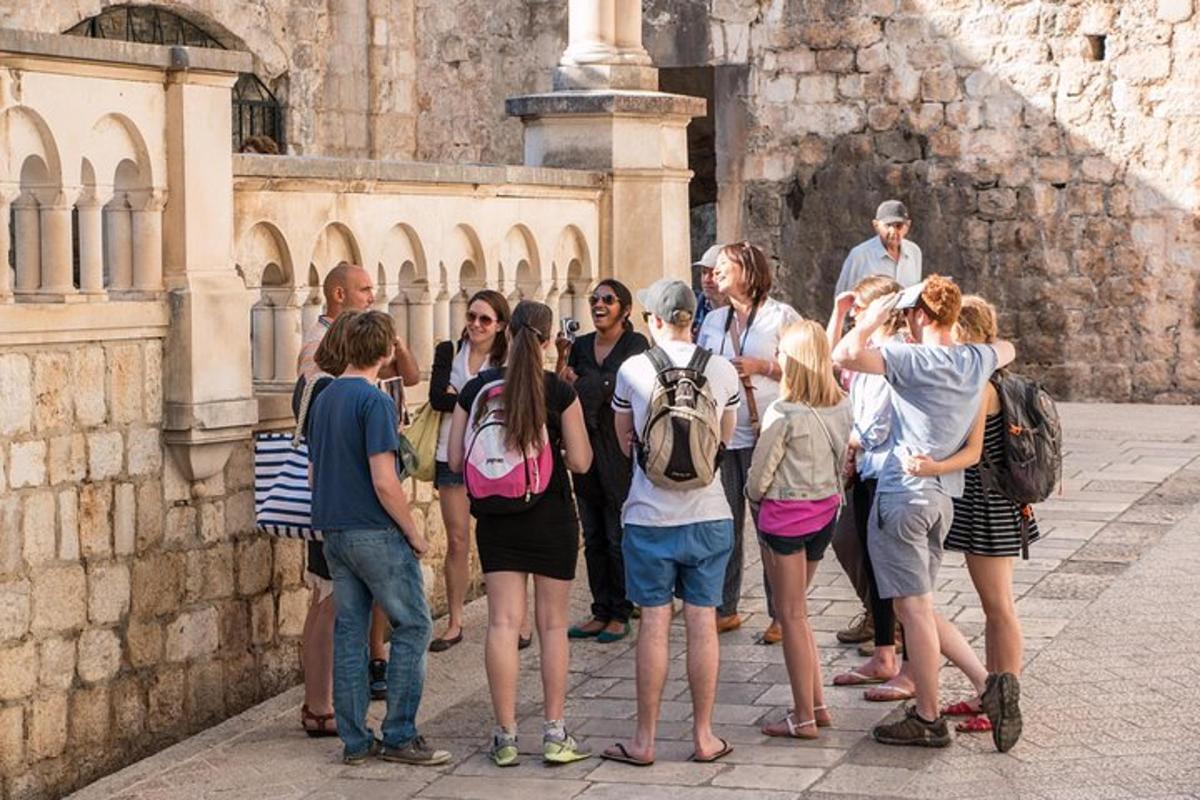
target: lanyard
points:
(738, 351)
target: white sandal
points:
(793, 728)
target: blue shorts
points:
(684, 561)
(442, 476)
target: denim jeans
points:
(376, 565)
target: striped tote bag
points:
(282, 497)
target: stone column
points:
(628, 33)
(57, 250)
(591, 32)
(262, 335)
(288, 334)
(146, 230)
(441, 316)
(398, 308)
(28, 244)
(604, 48)
(420, 328)
(311, 310)
(118, 243)
(91, 243)
(8, 193)
(458, 312)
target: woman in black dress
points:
(542, 540)
(590, 364)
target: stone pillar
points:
(28, 244)
(118, 243)
(57, 254)
(458, 312)
(146, 230)
(398, 308)
(311, 310)
(441, 317)
(622, 126)
(288, 335)
(8, 193)
(604, 48)
(209, 403)
(91, 243)
(579, 307)
(420, 328)
(262, 334)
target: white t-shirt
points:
(651, 505)
(761, 341)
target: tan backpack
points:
(680, 445)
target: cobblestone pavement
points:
(1110, 604)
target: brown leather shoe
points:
(860, 629)
(729, 623)
(773, 634)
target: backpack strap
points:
(699, 361)
(659, 358)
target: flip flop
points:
(856, 678)
(961, 709)
(618, 753)
(976, 724)
(888, 694)
(726, 749)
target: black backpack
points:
(1032, 464)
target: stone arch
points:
(521, 262)
(403, 256)
(265, 264)
(261, 246)
(573, 272)
(26, 134)
(113, 140)
(334, 244)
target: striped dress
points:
(986, 523)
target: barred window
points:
(257, 112)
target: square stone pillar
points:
(207, 385)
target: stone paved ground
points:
(1111, 608)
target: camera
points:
(569, 327)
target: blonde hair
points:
(807, 368)
(872, 288)
(976, 321)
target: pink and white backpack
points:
(499, 479)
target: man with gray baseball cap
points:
(887, 253)
(677, 540)
(709, 296)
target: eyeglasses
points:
(482, 319)
(608, 299)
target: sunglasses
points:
(608, 299)
(646, 315)
(482, 319)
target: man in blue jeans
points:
(677, 541)
(373, 547)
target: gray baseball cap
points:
(890, 211)
(668, 299)
(709, 259)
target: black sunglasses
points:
(608, 299)
(482, 319)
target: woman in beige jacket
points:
(795, 481)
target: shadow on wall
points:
(1021, 138)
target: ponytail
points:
(524, 381)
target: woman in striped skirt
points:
(986, 526)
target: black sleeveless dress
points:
(986, 523)
(543, 540)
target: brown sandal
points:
(318, 728)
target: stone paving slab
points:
(1110, 606)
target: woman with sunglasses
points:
(747, 332)
(590, 364)
(482, 345)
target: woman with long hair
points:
(746, 331)
(539, 410)
(590, 364)
(482, 345)
(986, 526)
(796, 479)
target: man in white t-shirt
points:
(676, 542)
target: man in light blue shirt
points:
(887, 253)
(936, 394)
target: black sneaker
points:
(358, 759)
(1001, 701)
(416, 752)
(912, 730)
(378, 673)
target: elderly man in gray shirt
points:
(888, 253)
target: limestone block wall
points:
(135, 607)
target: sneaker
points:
(912, 730)
(358, 759)
(560, 747)
(377, 670)
(860, 629)
(417, 752)
(1001, 701)
(504, 751)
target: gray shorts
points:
(904, 537)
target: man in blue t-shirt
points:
(936, 391)
(373, 546)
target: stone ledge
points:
(351, 169)
(605, 102)
(108, 51)
(59, 323)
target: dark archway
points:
(256, 110)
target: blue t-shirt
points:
(349, 422)
(936, 393)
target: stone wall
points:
(135, 608)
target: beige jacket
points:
(793, 459)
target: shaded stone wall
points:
(135, 607)
(344, 69)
